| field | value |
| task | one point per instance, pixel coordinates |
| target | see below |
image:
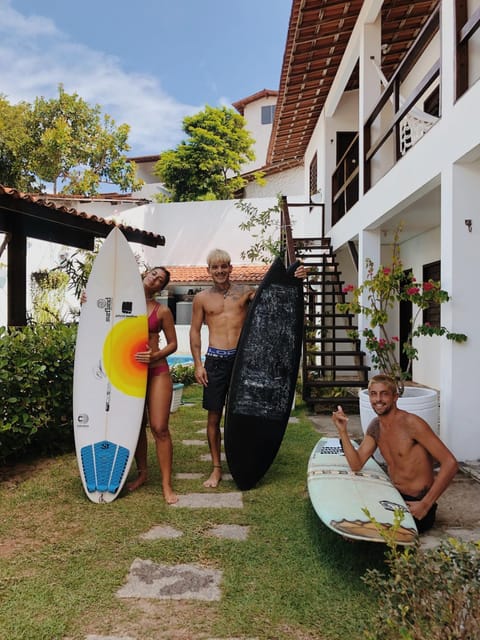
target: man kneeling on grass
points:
(410, 449)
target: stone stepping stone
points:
(195, 443)
(217, 500)
(206, 457)
(293, 420)
(226, 477)
(147, 579)
(161, 531)
(229, 531)
(189, 476)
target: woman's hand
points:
(144, 356)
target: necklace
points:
(224, 293)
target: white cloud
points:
(35, 57)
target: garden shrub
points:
(184, 373)
(36, 377)
(428, 595)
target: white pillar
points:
(369, 82)
(459, 362)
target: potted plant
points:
(385, 288)
(182, 374)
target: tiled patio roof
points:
(41, 208)
(252, 274)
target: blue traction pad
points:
(104, 464)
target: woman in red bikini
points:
(159, 386)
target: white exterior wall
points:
(259, 132)
(192, 229)
(345, 119)
(286, 182)
(433, 189)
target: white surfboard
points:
(108, 384)
(340, 495)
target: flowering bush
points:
(385, 288)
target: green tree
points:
(15, 146)
(78, 147)
(208, 164)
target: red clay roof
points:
(240, 105)
(199, 275)
(132, 233)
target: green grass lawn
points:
(62, 558)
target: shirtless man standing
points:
(223, 308)
(409, 447)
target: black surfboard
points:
(264, 376)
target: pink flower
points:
(347, 288)
(411, 291)
(386, 271)
(395, 338)
(428, 286)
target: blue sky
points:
(148, 63)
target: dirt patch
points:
(11, 475)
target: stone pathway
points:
(152, 581)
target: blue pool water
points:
(176, 359)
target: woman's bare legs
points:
(140, 458)
(159, 397)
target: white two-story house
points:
(378, 103)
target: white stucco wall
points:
(259, 132)
(289, 182)
(192, 229)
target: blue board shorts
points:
(219, 366)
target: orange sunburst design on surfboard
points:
(124, 340)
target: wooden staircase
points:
(333, 368)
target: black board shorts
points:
(427, 521)
(219, 372)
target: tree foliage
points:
(64, 141)
(264, 228)
(15, 146)
(208, 164)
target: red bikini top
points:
(153, 320)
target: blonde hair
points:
(218, 255)
(382, 378)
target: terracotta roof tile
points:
(196, 275)
(240, 105)
(42, 200)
